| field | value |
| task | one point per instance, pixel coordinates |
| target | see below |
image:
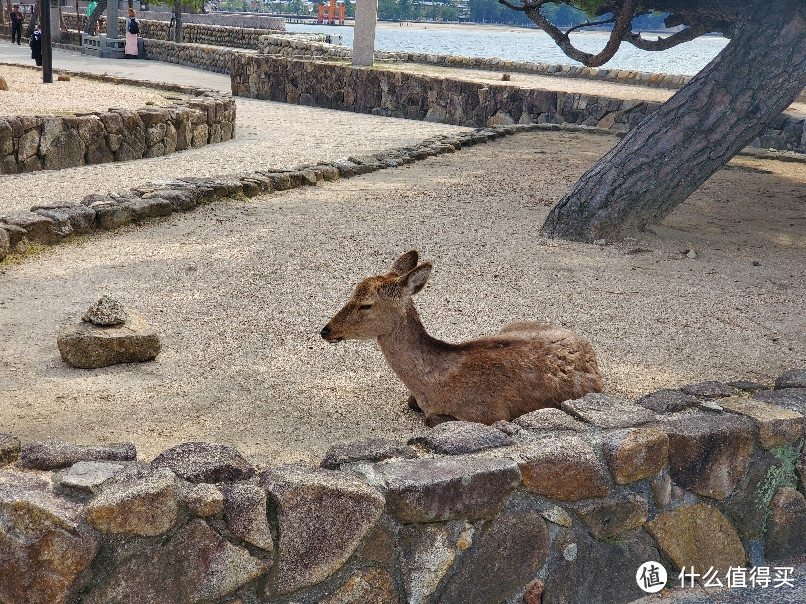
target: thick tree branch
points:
(685, 35)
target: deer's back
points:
(527, 366)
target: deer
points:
(524, 367)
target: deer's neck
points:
(417, 358)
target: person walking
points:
(16, 24)
(132, 29)
(35, 42)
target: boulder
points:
(786, 527)
(549, 420)
(9, 449)
(426, 557)
(368, 449)
(245, 512)
(373, 585)
(205, 500)
(90, 475)
(610, 516)
(793, 399)
(322, 517)
(457, 438)
(636, 453)
(709, 453)
(585, 570)
(794, 378)
(667, 401)
(709, 390)
(5, 243)
(90, 346)
(145, 505)
(697, 535)
(605, 411)
(196, 565)
(431, 490)
(205, 462)
(68, 218)
(777, 426)
(509, 553)
(564, 468)
(44, 548)
(54, 455)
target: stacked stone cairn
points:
(560, 505)
(108, 334)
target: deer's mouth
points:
(325, 333)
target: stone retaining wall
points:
(192, 33)
(43, 142)
(560, 505)
(421, 97)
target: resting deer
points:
(526, 366)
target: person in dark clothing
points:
(36, 46)
(16, 24)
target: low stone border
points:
(43, 142)
(560, 505)
(53, 224)
(453, 101)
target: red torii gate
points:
(328, 15)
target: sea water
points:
(526, 45)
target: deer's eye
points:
(365, 307)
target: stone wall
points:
(192, 33)
(560, 505)
(42, 142)
(414, 96)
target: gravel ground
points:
(239, 291)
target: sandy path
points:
(239, 291)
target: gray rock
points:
(793, 399)
(509, 553)
(457, 438)
(322, 517)
(599, 572)
(5, 243)
(605, 411)
(106, 311)
(40, 229)
(54, 455)
(205, 500)
(610, 516)
(709, 390)
(44, 548)
(794, 378)
(368, 449)
(431, 490)
(426, 556)
(549, 420)
(68, 218)
(746, 507)
(196, 565)
(668, 401)
(508, 428)
(709, 453)
(9, 449)
(245, 512)
(137, 505)
(205, 462)
(90, 346)
(89, 475)
(747, 386)
(786, 530)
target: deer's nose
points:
(325, 332)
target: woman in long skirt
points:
(131, 36)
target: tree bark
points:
(96, 14)
(659, 163)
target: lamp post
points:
(47, 51)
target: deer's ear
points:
(405, 263)
(414, 281)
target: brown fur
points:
(526, 366)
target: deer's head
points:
(379, 303)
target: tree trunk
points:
(659, 163)
(177, 21)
